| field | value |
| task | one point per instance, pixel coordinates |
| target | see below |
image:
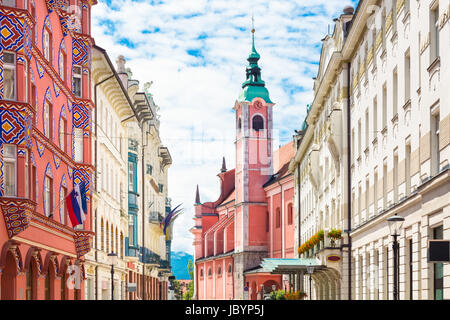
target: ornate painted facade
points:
(45, 142)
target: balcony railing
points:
(155, 217)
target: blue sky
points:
(195, 53)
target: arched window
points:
(219, 271)
(63, 284)
(47, 284)
(121, 245)
(278, 218)
(209, 272)
(239, 125)
(30, 285)
(107, 237)
(201, 273)
(290, 214)
(102, 235)
(230, 269)
(258, 123)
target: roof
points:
(280, 266)
(230, 198)
(281, 158)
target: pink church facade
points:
(253, 217)
(45, 142)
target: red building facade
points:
(253, 217)
(45, 143)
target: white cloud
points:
(196, 93)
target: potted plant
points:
(334, 234)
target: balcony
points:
(155, 217)
(132, 200)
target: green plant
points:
(335, 234)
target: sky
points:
(194, 52)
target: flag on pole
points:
(169, 217)
(77, 205)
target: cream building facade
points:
(127, 193)
(392, 61)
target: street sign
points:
(439, 251)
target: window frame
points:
(7, 159)
(76, 75)
(13, 67)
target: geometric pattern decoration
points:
(16, 214)
(70, 172)
(80, 52)
(12, 33)
(15, 124)
(1, 172)
(40, 69)
(81, 175)
(40, 147)
(80, 115)
(57, 161)
(57, 89)
(82, 242)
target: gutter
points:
(349, 187)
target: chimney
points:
(123, 75)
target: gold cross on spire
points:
(253, 24)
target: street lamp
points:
(113, 260)
(310, 270)
(395, 225)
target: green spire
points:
(253, 86)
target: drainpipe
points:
(143, 212)
(349, 181)
(96, 184)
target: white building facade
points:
(394, 65)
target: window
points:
(62, 205)
(408, 168)
(10, 170)
(30, 289)
(375, 192)
(9, 3)
(47, 43)
(230, 269)
(48, 119)
(278, 218)
(267, 221)
(384, 186)
(367, 197)
(47, 284)
(27, 182)
(395, 176)
(384, 106)
(33, 96)
(367, 128)
(258, 123)
(62, 133)
(383, 29)
(131, 230)
(62, 64)
(290, 214)
(395, 92)
(435, 156)
(375, 116)
(359, 138)
(434, 33)
(78, 143)
(394, 16)
(201, 273)
(130, 176)
(438, 283)
(9, 76)
(77, 83)
(33, 183)
(107, 237)
(219, 271)
(407, 76)
(239, 124)
(48, 207)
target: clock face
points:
(258, 105)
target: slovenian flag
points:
(77, 205)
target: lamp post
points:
(113, 260)
(395, 225)
(310, 270)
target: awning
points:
(286, 266)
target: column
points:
(426, 268)
(416, 258)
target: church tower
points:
(253, 168)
